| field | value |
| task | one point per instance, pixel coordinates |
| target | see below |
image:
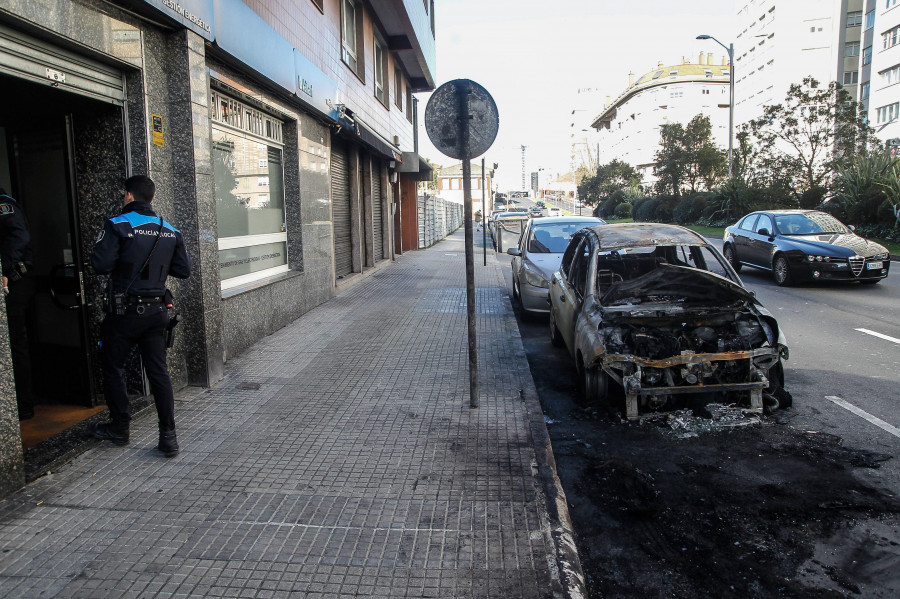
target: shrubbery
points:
(623, 210)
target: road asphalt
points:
(338, 457)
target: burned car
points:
(658, 310)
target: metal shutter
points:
(36, 60)
(377, 209)
(340, 207)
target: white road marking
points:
(880, 335)
(863, 414)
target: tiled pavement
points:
(338, 458)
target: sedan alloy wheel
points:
(782, 271)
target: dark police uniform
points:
(120, 251)
(15, 254)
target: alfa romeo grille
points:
(856, 264)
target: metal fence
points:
(437, 219)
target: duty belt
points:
(134, 300)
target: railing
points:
(437, 219)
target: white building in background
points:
(450, 184)
(780, 42)
(880, 87)
(628, 128)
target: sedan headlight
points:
(884, 256)
(534, 279)
(812, 258)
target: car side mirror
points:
(763, 231)
(514, 252)
(852, 228)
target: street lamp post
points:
(730, 49)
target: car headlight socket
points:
(534, 279)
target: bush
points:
(812, 197)
(646, 211)
(886, 213)
(623, 210)
(690, 208)
(608, 207)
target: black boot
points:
(111, 431)
(168, 443)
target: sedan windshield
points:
(812, 223)
(552, 238)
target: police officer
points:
(18, 288)
(138, 250)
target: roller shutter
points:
(340, 206)
(377, 209)
(34, 59)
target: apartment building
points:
(282, 140)
(628, 128)
(880, 90)
(780, 42)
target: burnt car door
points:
(573, 292)
(762, 242)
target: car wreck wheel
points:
(732, 258)
(555, 336)
(593, 384)
(782, 271)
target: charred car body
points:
(659, 311)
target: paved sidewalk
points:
(338, 458)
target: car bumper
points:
(534, 299)
(803, 270)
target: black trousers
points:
(18, 314)
(120, 334)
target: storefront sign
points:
(314, 88)
(245, 35)
(157, 123)
(196, 15)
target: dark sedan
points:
(804, 245)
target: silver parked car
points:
(537, 257)
(659, 311)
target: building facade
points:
(779, 42)
(628, 128)
(450, 184)
(281, 138)
(880, 87)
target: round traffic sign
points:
(457, 104)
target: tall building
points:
(780, 42)
(281, 137)
(629, 127)
(880, 92)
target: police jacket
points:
(125, 243)
(15, 242)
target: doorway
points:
(48, 141)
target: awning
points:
(414, 164)
(354, 130)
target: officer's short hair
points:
(141, 187)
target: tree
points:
(805, 138)
(688, 157)
(610, 177)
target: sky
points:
(533, 56)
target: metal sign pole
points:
(462, 121)
(463, 97)
(483, 216)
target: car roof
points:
(623, 235)
(556, 220)
(789, 211)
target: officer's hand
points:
(5, 286)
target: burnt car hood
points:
(679, 283)
(846, 241)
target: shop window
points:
(248, 159)
(380, 73)
(351, 37)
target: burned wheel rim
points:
(555, 337)
(596, 384)
(782, 271)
